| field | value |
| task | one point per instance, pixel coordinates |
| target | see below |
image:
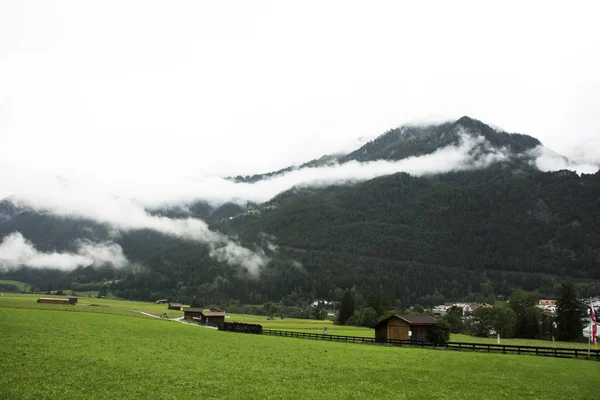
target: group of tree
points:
(375, 308)
(521, 317)
(469, 234)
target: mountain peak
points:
(416, 140)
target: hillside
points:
(473, 233)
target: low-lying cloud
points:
(127, 215)
(16, 251)
(121, 202)
(548, 160)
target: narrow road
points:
(180, 320)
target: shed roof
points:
(214, 313)
(411, 319)
(175, 305)
(53, 298)
(192, 309)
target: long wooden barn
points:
(53, 300)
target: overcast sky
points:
(189, 88)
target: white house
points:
(441, 309)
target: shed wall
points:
(397, 329)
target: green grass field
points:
(112, 306)
(521, 342)
(109, 351)
(303, 325)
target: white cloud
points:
(16, 251)
(548, 160)
(233, 88)
(122, 204)
(126, 214)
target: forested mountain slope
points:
(472, 233)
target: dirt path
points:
(180, 319)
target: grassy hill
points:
(23, 287)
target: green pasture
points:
(302, 325)
(24, 287)
(89, 293)
(64, 352)
(314, 326)
(113, 306)
(88, 304)
(519, 342)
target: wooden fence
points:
(460, 346)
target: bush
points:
(439, 333)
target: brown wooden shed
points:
(212, 318)
(192, 312)
(175, 306)
(397, 327)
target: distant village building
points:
(548, 307)
(404, 327)
(162, 301)
(467, 308)
(323, 302)
(441, 309)
(54, 300)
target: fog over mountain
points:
(401, 200)
(117, 196)
(16, 251)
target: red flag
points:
(593, 324)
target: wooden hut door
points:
(394, 332)
(403, 333)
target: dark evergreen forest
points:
(471, 235)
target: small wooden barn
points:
(175, 306)
(73, 299)
(54, 300)
(192, 312)
(212, 318)
(404, 327)
(209, 318)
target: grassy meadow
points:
(110, 350)
(518, 341)
(24, 287)
(303, 325)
